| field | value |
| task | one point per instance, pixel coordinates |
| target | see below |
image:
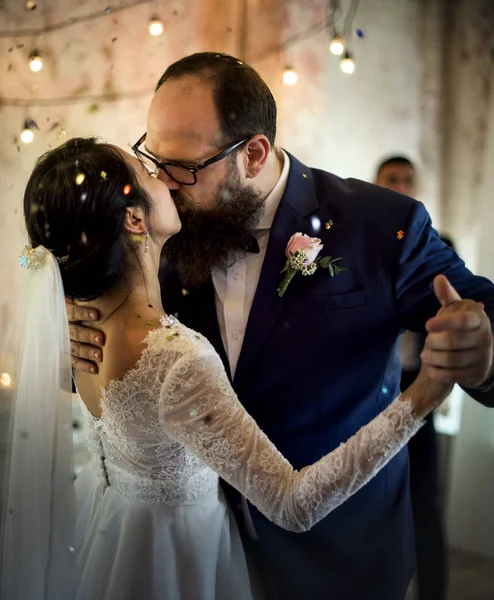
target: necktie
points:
(253, 246)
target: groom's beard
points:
(216, 236)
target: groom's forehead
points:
(181, 115)
(186, 105)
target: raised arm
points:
(200, 410)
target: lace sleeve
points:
(200, 410)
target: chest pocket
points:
(309, 303)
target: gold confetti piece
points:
(83, 238)
(185, 292)
(103, 175)
(304, 175)
(139, 315)
(149, 323)
(328, 224)
(79, 178)
(127, 189)
(400, 234)
(173, 335)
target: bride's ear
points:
(134, 220)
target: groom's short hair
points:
(244, 103)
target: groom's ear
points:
(134, 220)
(255, 154)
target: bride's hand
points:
(85, 343)
(426, 394)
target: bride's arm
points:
(200, 410)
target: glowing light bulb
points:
(156, 27)
(27, 136)
(337, 45)
(35, 62)
(347, 64)
(290, 76)
(5, 380)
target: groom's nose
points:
(168, 181)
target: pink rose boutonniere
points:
(302, 256)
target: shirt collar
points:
(275, 195)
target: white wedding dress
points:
(152, 523)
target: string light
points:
(347, 64)
(35, 62)
(70, 21)
(337, 45)
(5, 380)
(290, 76)
(156, 26)
(27, 134)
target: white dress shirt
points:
(235, 286)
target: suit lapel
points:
(298, 202)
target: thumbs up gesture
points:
(459, 345)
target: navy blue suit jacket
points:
(321, 362)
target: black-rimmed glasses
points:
(179, 172)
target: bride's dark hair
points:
(74, 205)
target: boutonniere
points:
(302, 257)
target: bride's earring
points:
(146, 242)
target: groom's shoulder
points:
(360, 198)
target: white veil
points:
(38, 502)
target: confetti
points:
(400, 234)
(62, 133)
(328, 224)
(83, 196)
(107, 10)
(83, 238)
(127, 189)
(304, 175)
(79, 178)
(149, 323)
(139, 315)
(31, 124)
(360, 33)
(30, 5)
(316, 224)
(102, 175)
(185, 292)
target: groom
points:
(315, 365)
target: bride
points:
(150, 522)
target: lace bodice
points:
(174, 423)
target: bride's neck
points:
(137, 295)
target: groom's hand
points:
(459, 347)
(85, 343)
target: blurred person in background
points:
(398, 173)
